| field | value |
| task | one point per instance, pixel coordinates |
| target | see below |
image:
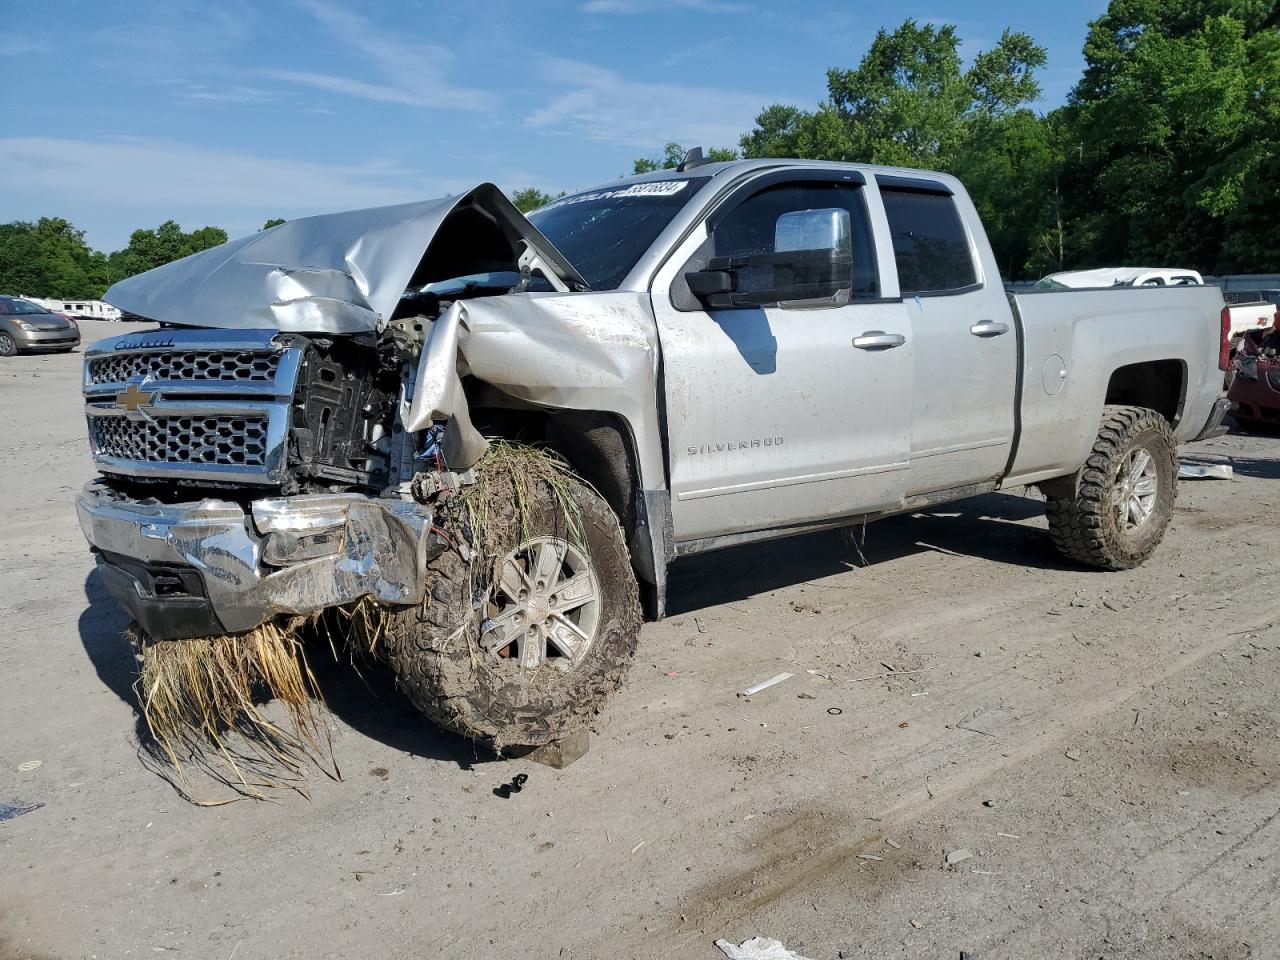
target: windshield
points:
(15, 307)
(603, 233)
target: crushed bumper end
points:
(212, 566)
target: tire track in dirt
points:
(741, 894)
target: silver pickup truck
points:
(718, 354)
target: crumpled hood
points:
(334, 273)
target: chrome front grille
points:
(193, 405)
(224, 441)
(242, 366)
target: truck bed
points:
(1104, 333)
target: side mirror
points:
(814, 230)
(811, 266)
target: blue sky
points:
(120, 115)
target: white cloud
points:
(153, 173)
(173, 41)
(111, 186)
(235, 93)
(409, 71)
(652, 6)
(600, 105)
(16, 46)
(698, 50)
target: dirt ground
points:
(1105, 746)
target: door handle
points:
(879, 340)
(989, 328)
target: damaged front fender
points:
(584, 351)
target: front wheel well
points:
(600, 448)
(1158, 385)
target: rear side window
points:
(929, 242)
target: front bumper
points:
(47, 339)
(195, 569)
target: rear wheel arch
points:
(1159, 385)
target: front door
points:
(779, 416)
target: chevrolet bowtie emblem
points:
(133, 399)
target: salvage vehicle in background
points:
(716, 355)
(1120, 277)
(1255, 389)
(29, 327)
(1245, 310)
(1251, 310)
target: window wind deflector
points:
(917, 184)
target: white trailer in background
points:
(79, 309)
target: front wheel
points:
(1124, 502)
(8, 346)
(525, 648)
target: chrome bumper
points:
(189, 569)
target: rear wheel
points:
(533, 653)
(1125, 496)
(8, 346)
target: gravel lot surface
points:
(1106, 748)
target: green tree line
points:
(50, 258)
(1165, 153)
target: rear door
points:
(780, 416)
(966, 348)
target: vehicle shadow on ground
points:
(365, 699)
(1252, 428)
(1257, 467)
(985, 527)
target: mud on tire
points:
(1096, 527)
(438, 648)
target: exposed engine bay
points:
(343, 415)
(346, 393)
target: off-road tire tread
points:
(436, 666)
(1082, 528)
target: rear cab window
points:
(930, 245)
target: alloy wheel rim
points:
(1133, 499)
(7, 345)
(545, 607)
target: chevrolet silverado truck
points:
(717, 354)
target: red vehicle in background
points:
(1256, 385)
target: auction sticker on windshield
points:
(654, 188)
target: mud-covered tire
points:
(1089, 527)
(435, 648)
